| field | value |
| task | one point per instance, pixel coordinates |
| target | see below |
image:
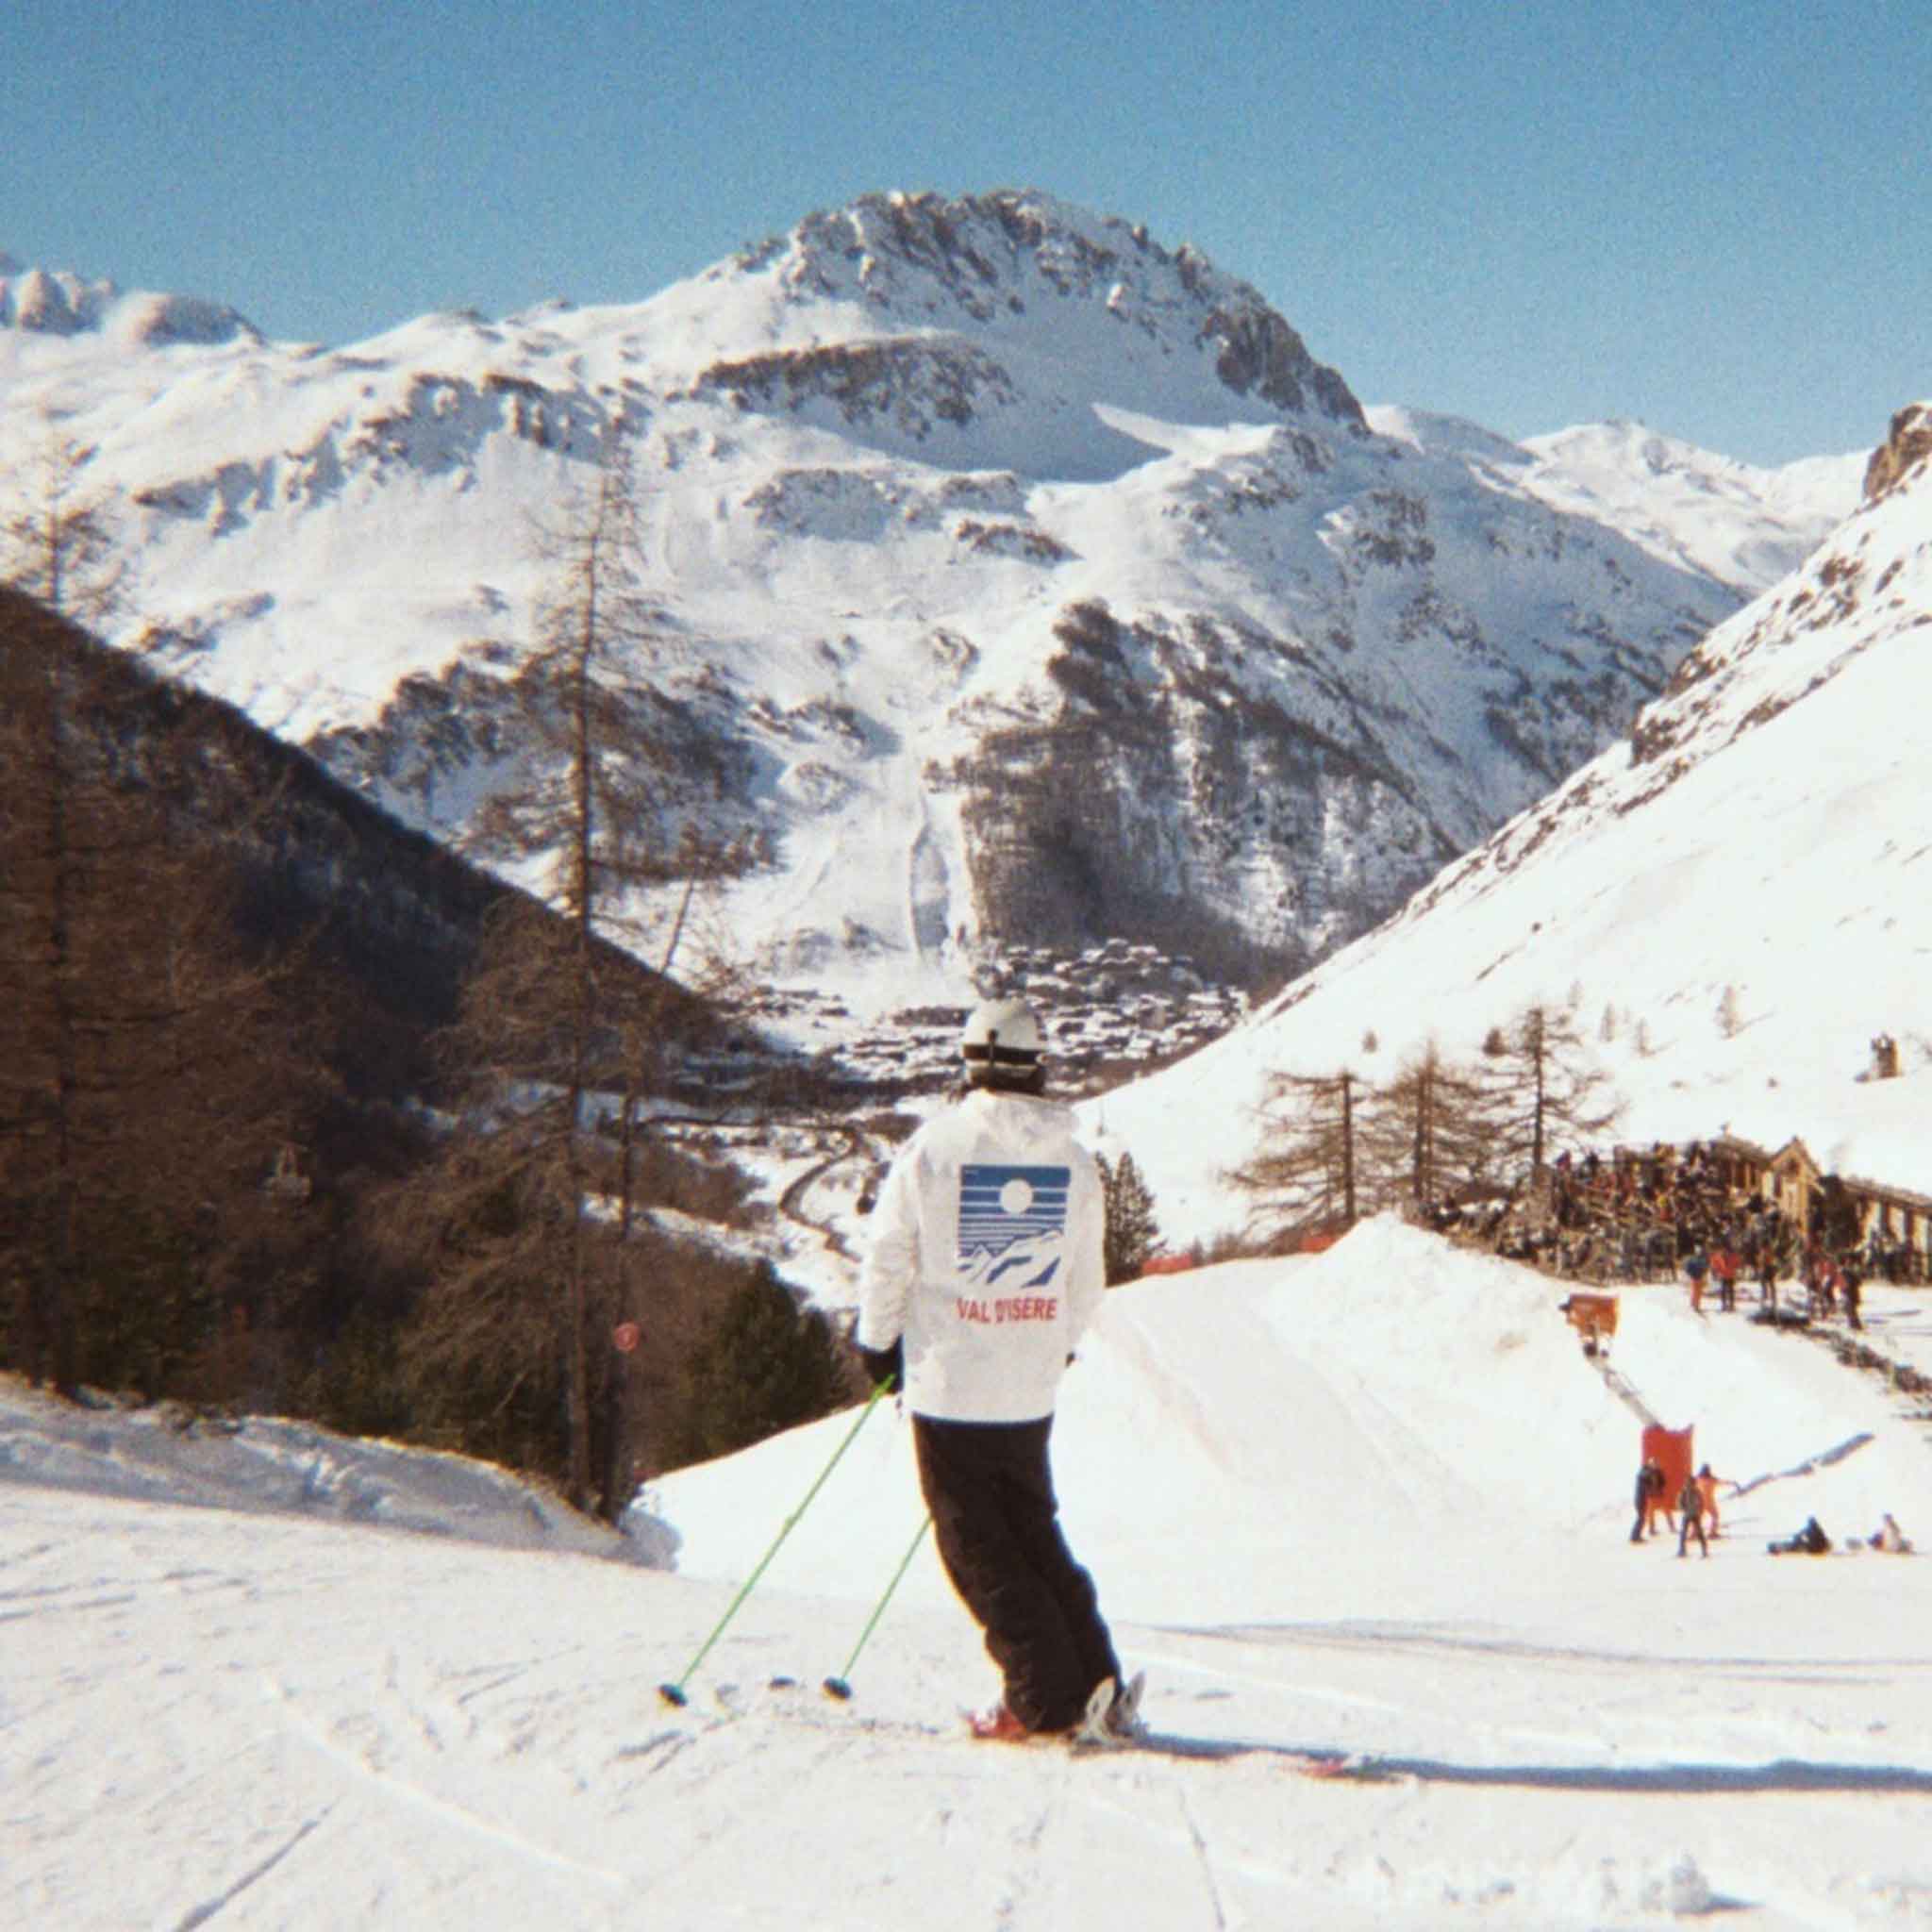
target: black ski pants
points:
(995, 1519)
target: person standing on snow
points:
(1649, 1484)
(1690, 1504)
(1707, 1488)
(1724, 1267)
(984, 1271)
(1696, 1268)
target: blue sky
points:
(1711, 218)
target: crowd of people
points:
(1671, 1212)
(1694, 1512)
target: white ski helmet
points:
(1001, 1042)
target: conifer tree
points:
(143, 1085)
(1308, 1170)
(763, 1365)
(1132, 1235)
(558, 1012)
(1544, 1088)
(1429, 1132)
(59, 541)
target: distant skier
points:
(1724, 1268)
(1691, 1506)
(1696, 1268)
(1707, 1489)
(1649, 1492)
(984, 1270)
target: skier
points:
(1690, 1506)
(1724, 1267)
(1707, 1488)
(1651, 1501)
(984, 1270)
(1696, 1268)
(1650, 1481)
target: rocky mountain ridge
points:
(59, 303)
(1019, 577)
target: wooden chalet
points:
(1792, 1181)
(1897, 1215)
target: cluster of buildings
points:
(1106, 1010)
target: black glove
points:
(885, 1367)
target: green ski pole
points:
(674, 1692)
(840, 1687)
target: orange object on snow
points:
(1167, 1264)
(1593, 1316)
(1672, 1451)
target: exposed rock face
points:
(1260, 353)
(1908, 445)
(947, 313)
(64, 305)
(908, 382)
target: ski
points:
(1109, 1723)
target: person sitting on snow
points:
(1888, 1537)
(1809, 1541)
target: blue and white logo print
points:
(1012, 1223)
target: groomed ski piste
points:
(1371, 1507)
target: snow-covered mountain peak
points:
(1688, 507)
(985, 331)
(59, 303)
(1033, 560)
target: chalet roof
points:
(1887, 1190)
(1794, 1152)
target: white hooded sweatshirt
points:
(986, 1258)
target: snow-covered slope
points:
(1733, 903)
(1019, 574)
(1374, 1503)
